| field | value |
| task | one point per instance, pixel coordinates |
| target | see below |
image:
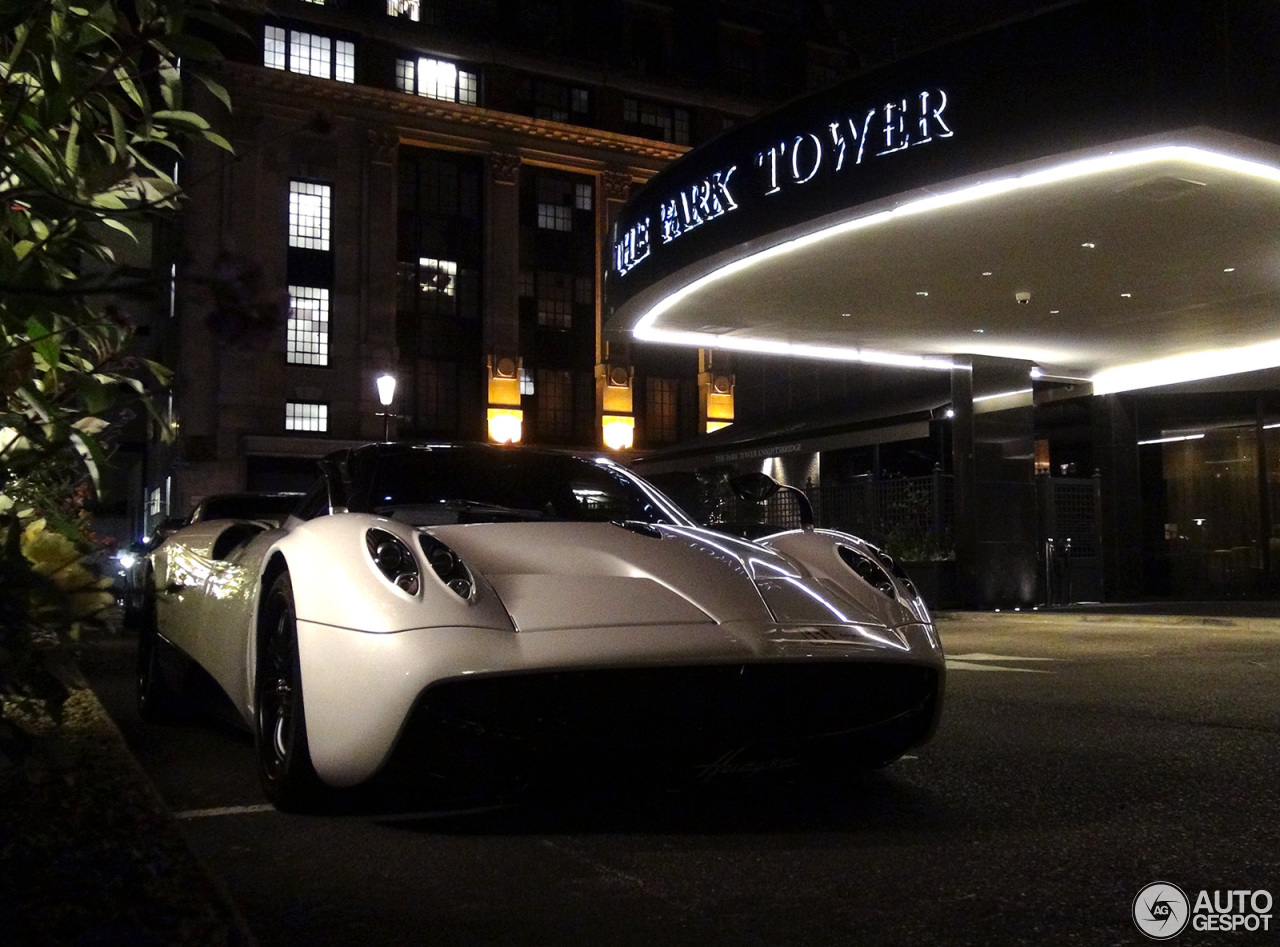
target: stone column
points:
(1115, 444)
(993, 448)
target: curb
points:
(91, 853)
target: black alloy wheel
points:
(280, 726)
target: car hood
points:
(579, 575)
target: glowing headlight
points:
(445, 563)
(394, 560)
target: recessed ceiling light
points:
(1088, 245)
(979, 331)
(846, 315)
(1126, 295)
(1229, 269)
(987, 273)
(1054, 312)
(922, 292)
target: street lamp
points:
(386, 394)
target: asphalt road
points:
(1079, 761)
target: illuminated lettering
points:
(670, 221)
(932, 114)
(774, 154)
(632, 247)
(795, 158)
(706, 200)
(895, 128)
(836, 147)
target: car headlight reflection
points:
(445, 563)
(394, 560)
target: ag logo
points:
(1161, 910)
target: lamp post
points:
(386, 383)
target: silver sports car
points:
(499, 613)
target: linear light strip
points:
(1125, 378)
(1171, 440)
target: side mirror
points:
(758, 487)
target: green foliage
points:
(91, 116)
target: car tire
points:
(288, 779)
(156, 698)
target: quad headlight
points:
(867, 569)
(394, 560)
(445, 563)
(397, 562)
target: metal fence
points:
(910, 517)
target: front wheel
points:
(280, 724)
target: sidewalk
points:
(90, 854)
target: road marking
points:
(223, 810)
(980, 661)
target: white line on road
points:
(223, 810)
(978, 661)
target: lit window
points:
(555, 301)
(555, 217)
(273, 48)
(468, 87)
(526, 382)
(582, 196)
(309, 215)
(309, 54)
(437, 276)
(405, 8)
(306, 416)
(307, 339)
(344, 61)
(405, 75)
(438, 79)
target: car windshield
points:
(431, 486)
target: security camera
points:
(1023, 298)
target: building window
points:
(555, 217)
(437, 276)
(309, 214)
(306, 416)
(526, 284)
(555, 300)
(555, 404)
(438, 79)
(657, 121)
(556, 203)
(404, 8)
(405, 75)
(308, 54)
(307, 334)
(660, 410)
(582, 196)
